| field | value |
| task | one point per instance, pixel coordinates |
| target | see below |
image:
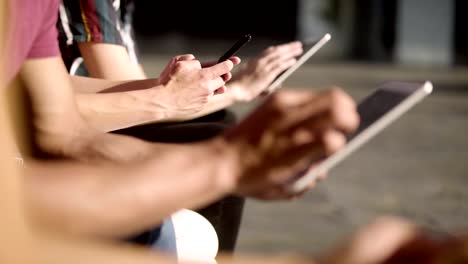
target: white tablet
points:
(311, 49)
(388, 102)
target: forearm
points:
(112, 111)
(126, 104)
(79, 140)
(215, 103)
(63, 249)
(109, 61)
(93, 85)
(118, 201)
(59, 250)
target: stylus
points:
(241, 42)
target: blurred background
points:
(417, 168)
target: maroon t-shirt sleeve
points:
(46, 42)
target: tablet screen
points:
(377, 111)
(376, 105)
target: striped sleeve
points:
(91, 21)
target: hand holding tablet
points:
(382, 107)
(387, 103)
(310, 49)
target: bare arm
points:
(129, 103)
(111, 62)
(111, 198)
(255, 159)
(60, 128)
(109, 65)
(132, 103)
(116, 110)
(122, 200)
(41, 246)
(28, 233)
(88, 85)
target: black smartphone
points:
(241, 42)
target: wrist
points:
(239, 91)
(227, 157)
(151, 101)
(234, 94)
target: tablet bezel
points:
(419, 93)
(302, 59)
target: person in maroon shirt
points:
(117, 186)
(387, 241)
(29, 39)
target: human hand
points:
(390, 240)
(188, 85)
(289, 131)
(261, 71)
(235, 60)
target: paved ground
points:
(417, 168)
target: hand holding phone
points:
(241, 42)
(229, 53)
